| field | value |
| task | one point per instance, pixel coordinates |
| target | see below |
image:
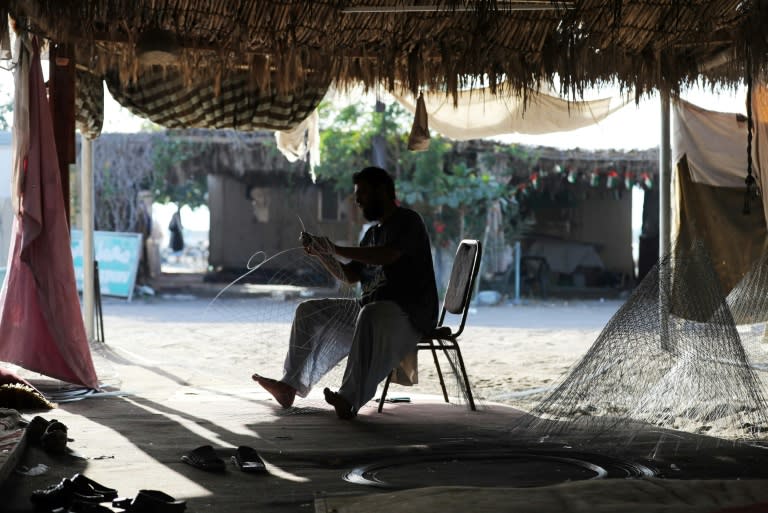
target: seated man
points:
(398, 303)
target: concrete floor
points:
(134, 438)
(135, 442)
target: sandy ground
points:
(512, 352)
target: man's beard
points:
(372, 212)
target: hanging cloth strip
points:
(480, 113)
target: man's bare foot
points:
(343, 408)
(282, 392)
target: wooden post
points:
(61, 95)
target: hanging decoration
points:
(594, 178)
(418, 140)
(629, 179)
(608, 177)
(535, 183)
(612, 179)
(646, 180)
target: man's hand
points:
(317, 245)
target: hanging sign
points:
(118, 256)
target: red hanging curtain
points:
(41, 327)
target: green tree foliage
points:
(124, 165)
(452, 196)
(170, 182)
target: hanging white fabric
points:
(715, 143)
(481, 113)
(302, 142)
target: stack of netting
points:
(670, 357)
(748, 302)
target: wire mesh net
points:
(262, 312)
(670, 357)
(748, 303)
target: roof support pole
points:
(665, 181)
(665, 177)
(62, 99)
(86, 206)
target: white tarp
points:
(715, 143)
(482, 114)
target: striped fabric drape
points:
(89, 104)
(163, 97)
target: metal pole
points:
(665, 180)
(665, 177)
(517, 272)
(89, 292)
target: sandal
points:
(204, 458)
(36, 428)
(87, 507)
(248, 460)
(63, 495)
(84, 483)
(46, 433)
(150, 501)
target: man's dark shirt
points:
(410, 280)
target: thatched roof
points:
(641, 44)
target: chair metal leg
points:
(464, 375)
(384, 392)
(439, 371)
(454, 346)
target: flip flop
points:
(248, 460)
(204, 458)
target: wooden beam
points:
(61, 94)
(510, 5)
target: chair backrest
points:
(466, 265)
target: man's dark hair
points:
(375, 177)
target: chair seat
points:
(439, 332)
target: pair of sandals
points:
(51, 435)
(79, 494)
(205, 458)
(76, 494)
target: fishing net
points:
(259, 306)
(748, 303)
(670, 357)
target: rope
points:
(749, 180)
